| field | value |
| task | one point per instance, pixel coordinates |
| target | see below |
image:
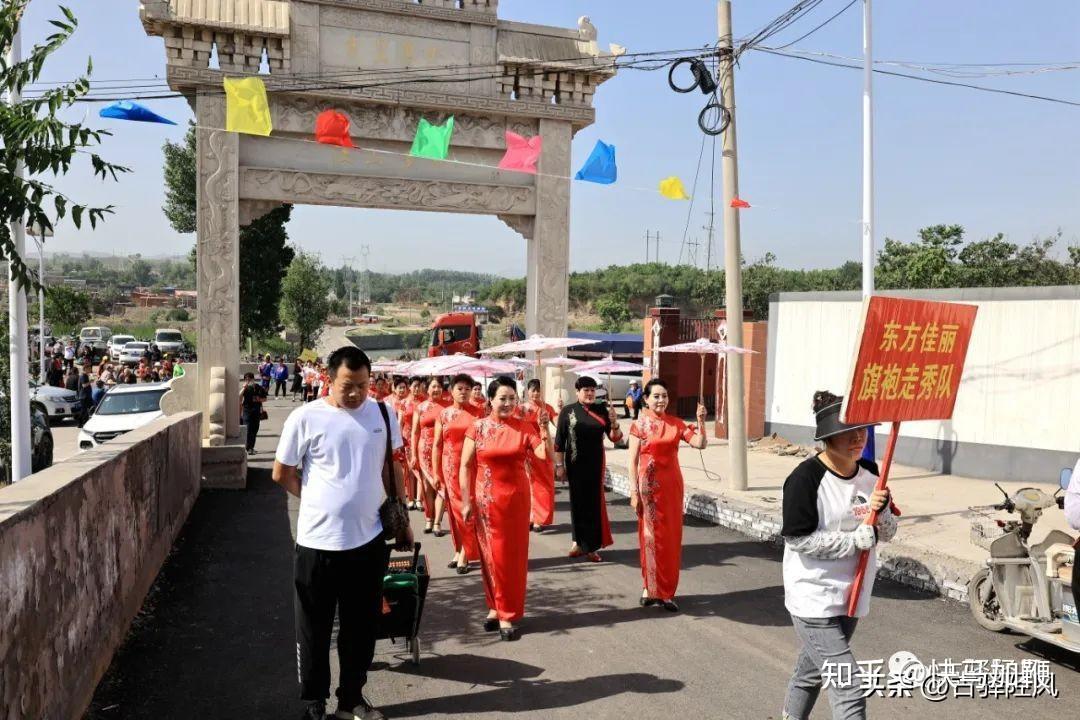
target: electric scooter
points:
(1026, 589)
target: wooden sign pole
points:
(864, 556)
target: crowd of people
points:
(482, 461)
(486, 462)
(76, 368)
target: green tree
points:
(35, 138)
(305, 304)
(613, 312)
(67, 307)
(265, 256)
(928, 263)
(180, 183)
(140, 271)
(264, 250)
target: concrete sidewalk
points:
(932, 551)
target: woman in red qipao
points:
(412, 470)
(423, 440)
(477, 400)
(454, 421)
(535, 412)
(499, 444)
(656, 492)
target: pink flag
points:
(521, 154)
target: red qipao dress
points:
(541, 472)
(408, 409)
(660, 489)
(502, 497)
(455, 423)
(429, 412)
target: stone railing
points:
(80, 546)
(525, 82)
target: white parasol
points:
(703, 347)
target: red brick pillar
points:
(755, 337)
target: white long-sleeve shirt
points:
(1072, 499)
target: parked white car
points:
(56, 403)
(133, 352)
(169, 340)
(121, 410)
(116, 344)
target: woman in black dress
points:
(579, 459)
(297, 378)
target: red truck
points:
(453, 333)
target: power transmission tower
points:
(649, 237)
(692, 246)
(710, 228)
(365, 279)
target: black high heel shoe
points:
(670, 605)
(491, 624)
(647, 601)
(509, 634)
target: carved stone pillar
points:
(218, 250)
(548, 279)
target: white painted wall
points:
(1021, 382)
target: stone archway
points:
(535, 80)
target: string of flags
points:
(247, 110)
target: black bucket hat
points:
(829, 424)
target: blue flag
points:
(600, 167)
(127, 110)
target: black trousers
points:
(349, 581)
(252, 419)
(279, 387)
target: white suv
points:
(169, 340)
(124, 408)
(96, 337)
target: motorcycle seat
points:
(1058, 556)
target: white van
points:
(97, 337)
(169, 340)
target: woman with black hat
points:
(827, 499)
(580, 460)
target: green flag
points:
(433, 141)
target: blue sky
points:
(991, 163)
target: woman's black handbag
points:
(393, 513)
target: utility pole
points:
(365, 279)
(869, 452)
(692, 251)
(732, 254)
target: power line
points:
(690, 209)
(838, 14)
(935, 81)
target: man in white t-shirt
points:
(331, 456)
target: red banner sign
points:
(911, 357)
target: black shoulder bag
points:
(393, 513)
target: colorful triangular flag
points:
(433, 141)
(127, 110)
(600, 167)
(246, 108)
(332, 128)
(522, 153)
(672, 188)
(737, 202)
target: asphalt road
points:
(215, 637)
(65, 439)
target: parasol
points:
(387, 365)
(440, 365)
(537, 344)
(703, 347)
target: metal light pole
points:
(869, 452)
(39, 234)
(19, 392)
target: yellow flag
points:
(672, 188)
(246, 107)
(308, 355)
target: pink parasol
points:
(563, 362)
(537, 343)
(703, 347)
(486, 367)
(387, 365)
(441, 365)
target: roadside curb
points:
(934, 573)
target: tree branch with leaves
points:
(36, 141)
